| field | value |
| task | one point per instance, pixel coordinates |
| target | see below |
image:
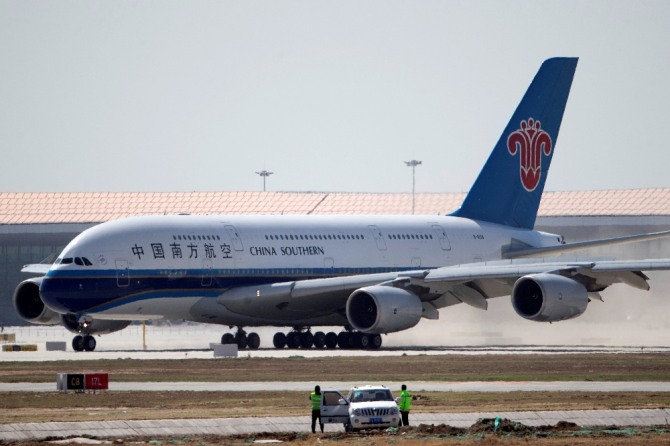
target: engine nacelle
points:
(91, 326)
(549, 298)
(383, 309)
(28, 303)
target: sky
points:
(330, 96)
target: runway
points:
(124, 349)
(125, 353)
(249, 425)
(193, 341)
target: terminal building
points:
(35, 227)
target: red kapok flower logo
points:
(530, 141)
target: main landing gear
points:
(346, 339)
(243, 340)
(305, 339)
(83, 343)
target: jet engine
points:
(549, 298)
(91, 326)
(383, 309)
(28, 303)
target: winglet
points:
(509, 187)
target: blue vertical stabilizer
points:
(509, 187)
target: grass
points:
(22, 407)
(563, 367)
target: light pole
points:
(413, 164)
(264, 174)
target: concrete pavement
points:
(249, 425)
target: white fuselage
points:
(181, 266)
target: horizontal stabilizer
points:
(518, 252)
(36, 268)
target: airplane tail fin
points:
(509, 187)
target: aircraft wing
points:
(476, 282)
(471, 283)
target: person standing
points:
(404, 406)
(315, 397)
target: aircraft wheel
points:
(306, 340)
(279, 340)
(331, 340)
(89, 343)
(345, 339)
(293, 339)
(78, 343)
(242, 341)
(253, 341)
(375, 341)
(319, 339)
(228, 338)
(363, 340)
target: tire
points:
(375, 341)
(344, 339)
(78, 343)
(89, 343)
(293, 340)
(306, 340)
(241, 341)
(279, 340)
(331, 340)
(355, 339)
(228, 338)
(364, 341)
(319, 339)
(253, 341)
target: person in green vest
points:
(405, 403)
(315, 398)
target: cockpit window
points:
(81, 261)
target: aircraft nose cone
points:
(53, 295)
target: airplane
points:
(364, 275)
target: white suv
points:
(364, 407)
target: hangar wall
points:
(24, 244)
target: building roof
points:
(97, 207)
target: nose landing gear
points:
(83, 343)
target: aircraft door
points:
(207, 272)
(334, 407)
(234, 237)
(442, 237)
(122, 273)
(379, 238)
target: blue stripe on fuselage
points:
(90, 291)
